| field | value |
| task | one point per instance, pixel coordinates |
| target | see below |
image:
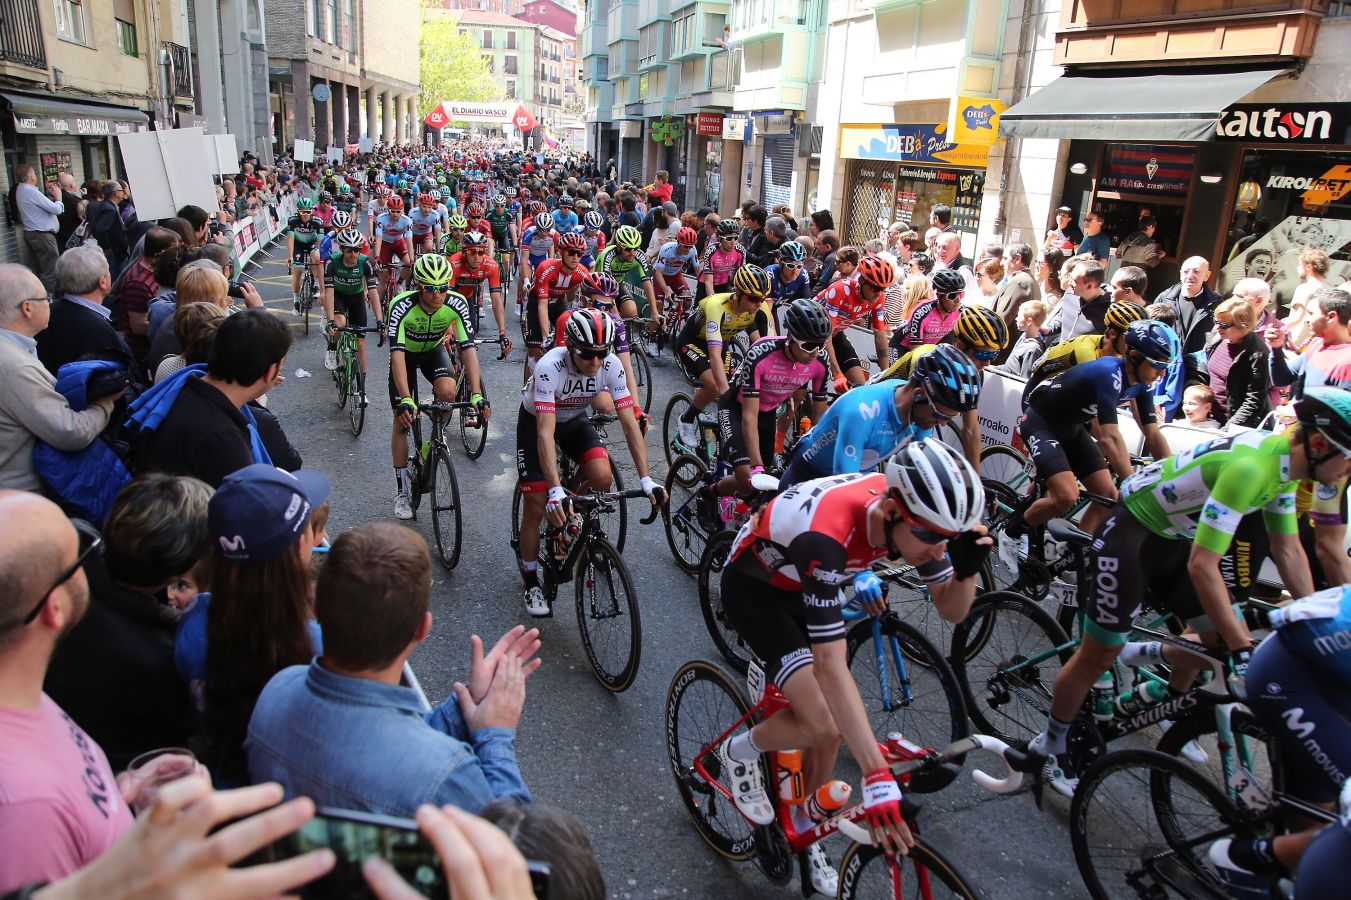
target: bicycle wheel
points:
(445, 508)
(1009, 467)
(922, 702)
(356, 410)
(675, 408)
(685, 534)
(866, 871)
(607, 614)
(999, 501)
(1008, 675)
(723, 632)
(1141, 824)
(342, 375)
(700, 704)
(474, 437)
(306, 296)
(642, 376)
(1252, 746)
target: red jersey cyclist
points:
(556, 283)
(857, 301)
(392, 231)
(470, 270)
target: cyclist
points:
(303, 231)
(1069, 424)
(471, 268)
(673, 260)
(594, 237)
(346, 202)
(446, 206)
(503, 225)
(788, 279)
(426, 222)
(453, 239)
(349, 284)
(341, 221)
(873, 421)
(324, 211)
(473, 212)
(553, 417)
(857, 301)
(781, 589)
(1086, 347)
(377, 207)
(565, 219)
(716, 320)
(1179, 515)
(392, 232)
(556, 283)
(599, 292)
(934, 318)
(721, 260)
(622, 260)
(420, 323)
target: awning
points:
(46, 115)
(1156, 106)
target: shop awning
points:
(46, 115)
(1157, 106)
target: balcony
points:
(180, 71)
(757, 19)
(21, 34)
(623, 23)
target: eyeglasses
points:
(434, 289)
(590, 355)
(46, 298)
(90, 541)
(983, 355)
(1225, 326)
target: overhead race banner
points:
(475, 112)
(927, 144)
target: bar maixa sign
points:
(32, 123)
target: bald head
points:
(37, 542)
(949, 247)
(17, 284)
(67, 182)
(1195, 272)
(1255, 290)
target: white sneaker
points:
(652, 351)
(535, 603)
(403, 508)
(330, 359)
(1219, 856)
(825, 880)
(747, 785)
(295, 304)
(685, 431)
(1058, 777)
(1191, 750)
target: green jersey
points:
(1202, 493)
(499, 222)
(450, 245)
(344, 279)
(414, 330)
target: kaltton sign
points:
(1289, 123)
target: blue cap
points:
(258, 511)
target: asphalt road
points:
(599, 755)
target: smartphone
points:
(355, 837)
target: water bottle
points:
(790, 776)
(727, 508)
(828, 800)
(1144, 694)
(1103, 697)
(423, 452)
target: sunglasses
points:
(1225, 326)
(602, 304)
(984, 355)
(951, 295)
(922, 396)
(812, 347)
(469, 251)
(572, 253)
(590, 355)
(436, 290)
(793, 265)
(90, 541)
(922, 532)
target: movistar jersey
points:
(1202, 493)
(414, 330)
(859, 429)
(1318, 629)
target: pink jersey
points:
(721, 265)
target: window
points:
(126, 37)
(70, 21)
(491, 63)
(511, 40)
(332, 23)
(487, 39)
(509, 65)
(511, 90)
(1338, 9)
(349, 32)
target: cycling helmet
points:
(594, 220)
(629, 238)
(344, 188)
(382, 190)
(305, 205)
(342, 220)
(475, 210)
(432, 269)
(1155, 341)
(500, 200)
(936, 486)
(473, 239)
(792, 252)
(982, 329)
(590, 329)
(395, 203)
(544, 222)
(948, 378)
(807, 321)
(565, 201)
(350, 239)
(874, 271)
(325, 197)
(1121, 314)
(601, 283)
(401, 183)
(536, 208)
(572, 241)
(686, 237)
(751, 280)
(945, 281)
(457, 223)
(728, 228)
(444, 194)
(426, 200)
(440, 179)
(1327, 410)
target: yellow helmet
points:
(1121, 314)
(432, 269)
(982, 328)
(751, 280)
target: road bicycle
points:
(701, 702)
(473, 426)
(505, 257)
(434, 476)
(350, 375)
(309, 291)
(691, 518)
(606, 601)
(395, 283)
(708, 445)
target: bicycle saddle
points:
(1066, 531)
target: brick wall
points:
(286, 38)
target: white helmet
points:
(342, 220)
(936, 485)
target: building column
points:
(337, 105)
(372, 116)
(353, 113)
(210, 89)
(401, 110)
(323, 118)
(387, 112)
(303, 102)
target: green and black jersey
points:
(353, 279)
(414, 330)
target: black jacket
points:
(203, 435)
(68, 219)
(1195, 316)
(76, 332)
(105, 224)
(1248, 382)
(763, 253)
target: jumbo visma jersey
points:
(1202, 493)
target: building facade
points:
(527, 61)
(598, 91)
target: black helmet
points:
(948, 377)
(947, 281)
(807, 321)
(728, 228)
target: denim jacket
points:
(358, 744)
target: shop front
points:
(703, 185)
(900, 172)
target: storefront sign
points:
(1158, 170)
(1317, 189)
(53, 164)
(32, 123)
(734, 128)
(477, 112)
(708, 124)
(774, 124)
(1286, 123)
(975, 120)
(925, 144)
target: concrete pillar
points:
(209, 87)
(387, 111)
(353, 113)
(401, 111)
(323, 118)
(304, 103)
(372, 116)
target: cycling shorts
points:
(1127, 563)
(433, 364)
(576, 437)
(389, 249)
(694, 359)
(770, 620)
(534, 338)
(733, 437)
(352, 307)
(797, 469)
(1309, 714)
(1060, 448)
(301, 254)
(845, 354)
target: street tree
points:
(452, 64)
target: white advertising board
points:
(304, 151)
(226, 154)
(165, 171)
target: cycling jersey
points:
(634, 271)
(713, 322)
(500, 223)
(345, 279)
(860, 429)
(928, 324)
(389, 229)
(671, 262)
(414, 330)
(1318, 629)
(469, 282)
(1063, 357)
(306, 234)
(782, 291)
(770, 375)
(375, 208)
(557, 387)
(555, 283)
(450, 245)
(595, 242)
(423, 223)
(564, 221)
(845, 305)
(721, 265)
(325, 215)
(1088, 391)
(1203, 492)
(538, 244)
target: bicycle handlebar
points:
(431, 406)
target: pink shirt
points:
(59, 804)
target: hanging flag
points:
(523, 120)
(549, 140)
(437, 118)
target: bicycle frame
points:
(880, 646)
